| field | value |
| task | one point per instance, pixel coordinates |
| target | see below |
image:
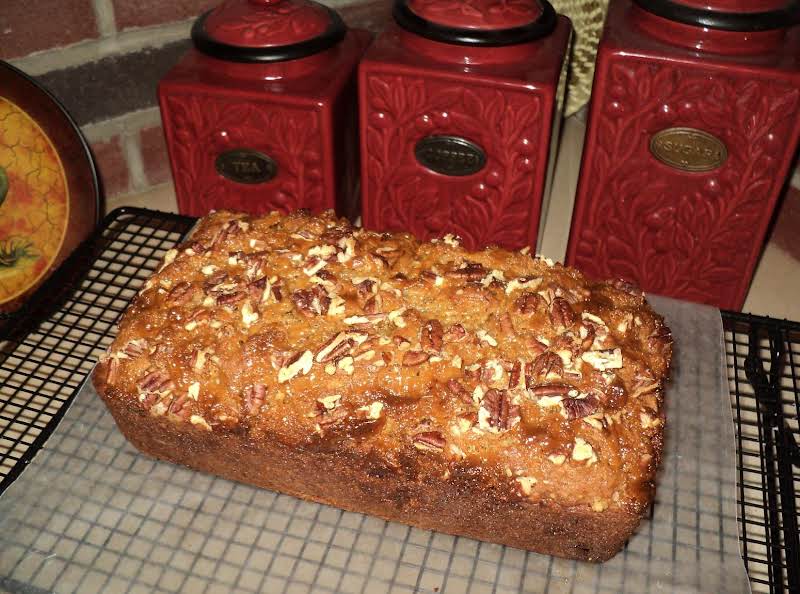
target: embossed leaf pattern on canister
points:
(680, 233)
(492, 206)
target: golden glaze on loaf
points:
(421, 360)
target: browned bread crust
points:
(488, 394)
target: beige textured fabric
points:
(587, 18)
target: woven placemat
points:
(587, 18)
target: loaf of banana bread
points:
(490, 394)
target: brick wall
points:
(103, 58)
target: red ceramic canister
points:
(460, 103)
(260, 115)
(693, 124)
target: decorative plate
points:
(49, 195)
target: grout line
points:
(132, 149)
(125, 124)
(92, 50)
(104, 13)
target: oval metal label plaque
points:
(688, 149)
(246, 166)
(450, 155)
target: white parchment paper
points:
(90, 514)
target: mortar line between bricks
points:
(128, 41)
(106, 20)
(132, 149)
(130, 122)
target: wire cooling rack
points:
(47, 349)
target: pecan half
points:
(180, 294)
(455, 333)
(561, 313)
(577, 408)
(135, 348)
(529, 303)
(542, 366)
(432, 441)
(432, 336)
(459, 391)
(414, 358)
(311, 302)
(254, 397)
(471, 271)
(497, 411)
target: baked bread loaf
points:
(491, 394)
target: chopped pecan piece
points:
(156, 382)
(229, 229)
(414, 358)
(432, 441)
(471, 271)
(577, 408)
(196, 248)
(432, 335)
(528, 303)
(230, 299)
(591, 334)
(327, 417)
(334, 234)
(455, 333)
(626, 287)
(254, 397)
(366, 288)
(515, 375)
(551, 390)
(545, 364)
(311, 302)
(459, 391)
(180, 293)
(561, 313)
(112, 370)
(180, 407)
(497, 412)
(255, 289)
(660, 340)
(135, 348)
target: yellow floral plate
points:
(49, 195)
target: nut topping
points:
(545, 366)
(471, 271)
(180, 294)
(550, 390)
(577, 408)
(529, 303)
(497, 413)
(431, 441)
(603, 360)
(371, 411)
(299, 364)
(135, 348)
(311, 302)
(414, 358)
(515, 377)
(254, 397)
(432, 336)
(484, 336)
(526, 483)
(455, 333)
(459, 391)
(155, 382)
(561, 313)
(200, 421)
(582, 450)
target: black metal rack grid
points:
(47, 350)
(768, 549)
